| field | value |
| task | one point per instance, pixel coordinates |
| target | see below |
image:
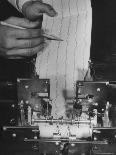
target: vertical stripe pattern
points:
(66, 62)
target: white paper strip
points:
(66, 62)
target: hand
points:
(16, 42)
(34, 9)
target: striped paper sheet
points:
(66, 62)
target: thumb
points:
(22, 22)
(33, 9)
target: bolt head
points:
(72, 144)
(98, 89)
(14, 135)
(57, 143)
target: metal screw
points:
(14, 135)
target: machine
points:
(91, 129)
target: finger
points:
(36, 8)
(23, 22)
(22, 43)
(3, 51)
(27, 52)
(27, 33)
(45, 8)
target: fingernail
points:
(53, 12)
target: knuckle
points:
(11, 33)
(6, 43)
(29, 44)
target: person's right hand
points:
(16, 42)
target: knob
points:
(4, 128)
(35, 137)
(13, 106)
(14, 135)
(27, 102)
(72, 144)
(18, 80)
(95, 138)
(57, 143)
(26, 86)
(98, 89)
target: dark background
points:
(104, 30)
(103, 41)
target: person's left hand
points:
(15, 42)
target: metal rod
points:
(61, 121)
